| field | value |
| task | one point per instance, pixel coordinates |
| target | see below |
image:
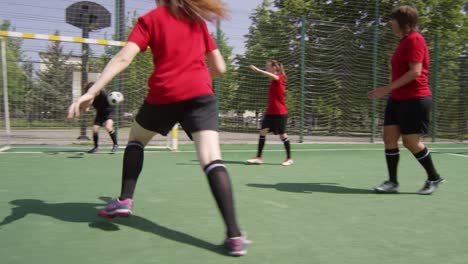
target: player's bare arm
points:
(268, 74)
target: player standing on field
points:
(180, 90)
(104, 117)
(409, 103)
(276, 116)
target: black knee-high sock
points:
(392, 156)
(424, 157)
(132, 165)
(220, 185)
(287, 147)
(261, 144)
(96, 139)
(113, 136)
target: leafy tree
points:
(53, 92)
(134, 78)
(228, 82)
(15, 74)
(346, 29)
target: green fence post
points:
(119, 35)
(302, 73)
(374, 67)
(217, 81)
(435, 87)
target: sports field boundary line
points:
(240, 151)
(458, 155)
(4, 148)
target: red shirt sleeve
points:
(210, 44)
(416, 50)
(140, 34)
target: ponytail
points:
(278, 65)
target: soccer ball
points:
(115, 98)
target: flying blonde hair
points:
(210, 10)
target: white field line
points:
(246, 151)
(458, 155)
(4, 148)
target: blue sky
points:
(44, 17)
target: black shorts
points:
(195, 114)
(276, 123)
(411, 115)
(101, 118)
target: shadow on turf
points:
(325, 187)
(78, 154)
(195, 162)
(87, 213)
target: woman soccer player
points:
(180, 90)
(104, 117)
(276, 115)
(410, 101)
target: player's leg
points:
(109, 125)
(281, 130)
(391, 135)
(199, 118)
(209, 156)
(133, 158)
(414, 125)
(132, 166)
(266, 124)
(151, 119)
(413, 143)
(287, 147)
(95, 131)
(261, 144)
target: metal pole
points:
(217, 81)
(119, 35)
(461, 103)
(374, 67)
(435, 87)
(5, 91)
(301, 132)
(84, 80)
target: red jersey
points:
(178, 48)
(276, 93)
(412, 48)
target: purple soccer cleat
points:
(236, 246)
(117, 208)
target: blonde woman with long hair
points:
(180, 90)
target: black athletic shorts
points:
(101, 118)
(276, 123)
(195, 114)
(411, 115)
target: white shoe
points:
(256, 160)
(387, 187)
(288, 162)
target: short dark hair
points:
(406, 16)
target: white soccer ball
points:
(115, 98)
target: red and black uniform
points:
(180, 87)
(409, 105)
(276, 115)
(104, 111)
(180, 90)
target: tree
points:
(134, 78)
(15, 73)
(339, 58)
(53, 92)
(228, 81)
